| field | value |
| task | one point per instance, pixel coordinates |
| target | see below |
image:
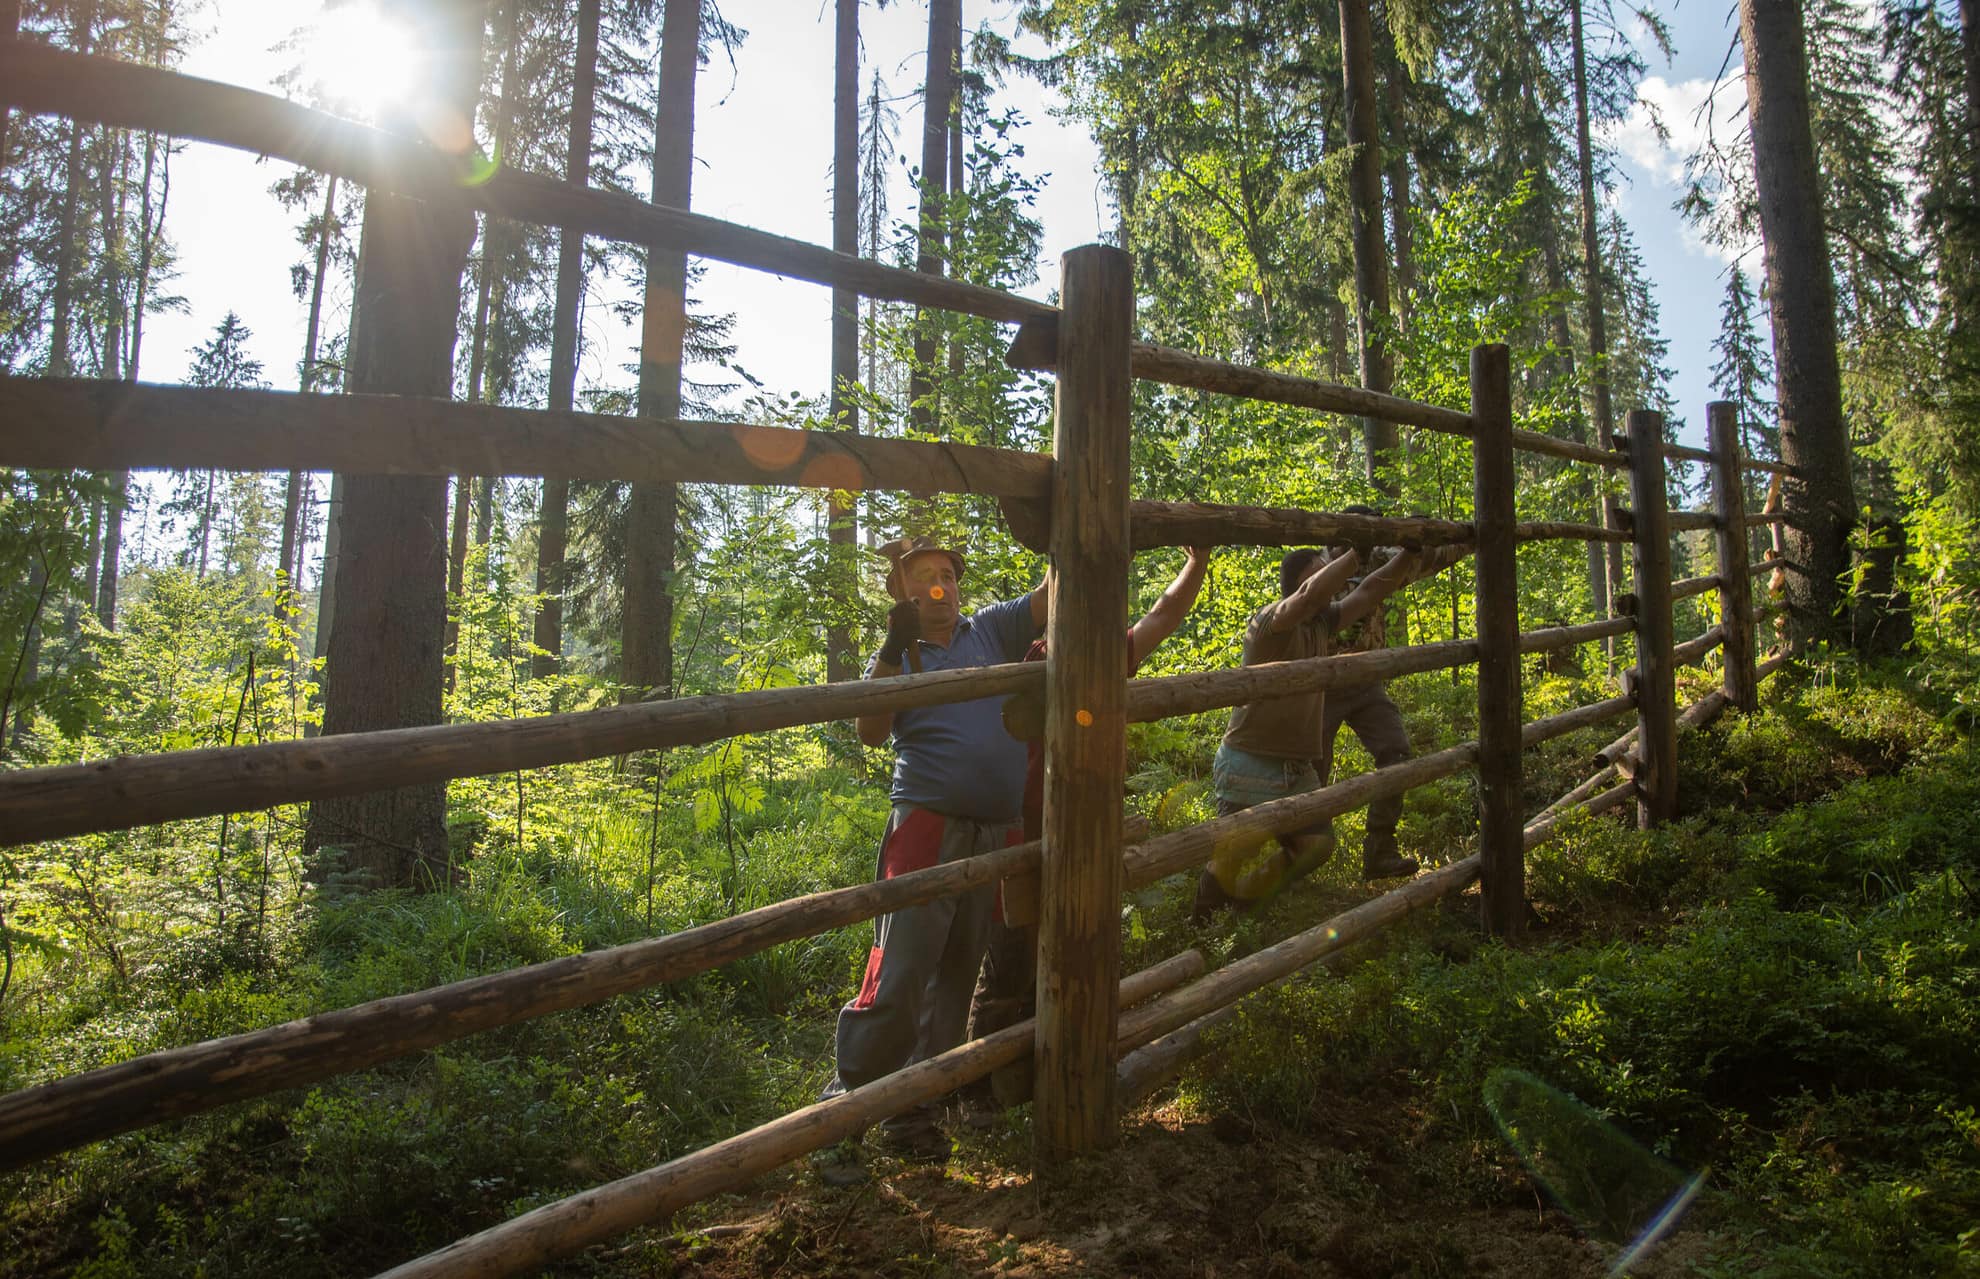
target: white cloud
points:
(1690, 112)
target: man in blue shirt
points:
(957, 791)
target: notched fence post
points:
(1501, 839)
(1079, 944)
(1655, 685)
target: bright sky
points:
(763, 151)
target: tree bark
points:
(842, 532)
(292, 497)
(1802, 305)
(385, 668)
(938, 99)
(1371, 253)
(553, 516)
(1400, 205)
(1602, 408)
(646, 637)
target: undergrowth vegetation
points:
(1785, 999)
(1779, 991)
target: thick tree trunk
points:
(938, 100)
(1802, 302)
(646, 641)
(553, 516)
(385, 667)
(842, 532)
(1371, 252)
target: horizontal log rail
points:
(175, 1082)
(1579, 793)
(527, 1243)
(1685, 521)
(58, 423)
(1767, 517)
(1159, 524)
(1262, 968)
(125, 791)
(1559, 530)
(137, 790)
(1549, 638)
(1168, 695)
(1147, 1068)
(99, 90)
(1694, 650)
(1690, 586)
(1771, 468)
(1544, 827)
(1036, 348)
(1685, 452)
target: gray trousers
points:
(914, 999)
(1379, 726)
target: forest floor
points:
(1182, 1197)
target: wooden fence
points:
(1098, 1037)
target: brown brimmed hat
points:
(902, 549)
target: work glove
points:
(903, 629)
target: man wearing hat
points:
(957, 791)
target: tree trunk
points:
(842, 532)
(646, 641)
(1603, 409)
(292, 497)
(938, 99)
(1371, 252)
(1969, 43)
(553, 528)
(385, 668)
(457, 549)
(1401, 203)
(1802, 303)
(61, 297)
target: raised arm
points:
(1399, 572)
(1160, 622)
(1312, 595)
(1041, 596)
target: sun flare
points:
(361, 61)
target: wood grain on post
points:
(39, 1121)
(80, 423)
(1494, 489)
(1079, 931)
(1735, 567)
(104, 91)
(527, 1243)
(136, 790)
(1656, 681)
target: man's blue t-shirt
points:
(957, 759)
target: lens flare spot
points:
(771, 448)
(937, 593)
(1084, 717)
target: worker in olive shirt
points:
(1273, 746)
(1370, 713)
(957, 791)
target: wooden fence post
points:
(1501, 841)
(1656, 675)
(1735, 577)
(1079, 933)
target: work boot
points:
(1380, 860)
(1210, 898)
